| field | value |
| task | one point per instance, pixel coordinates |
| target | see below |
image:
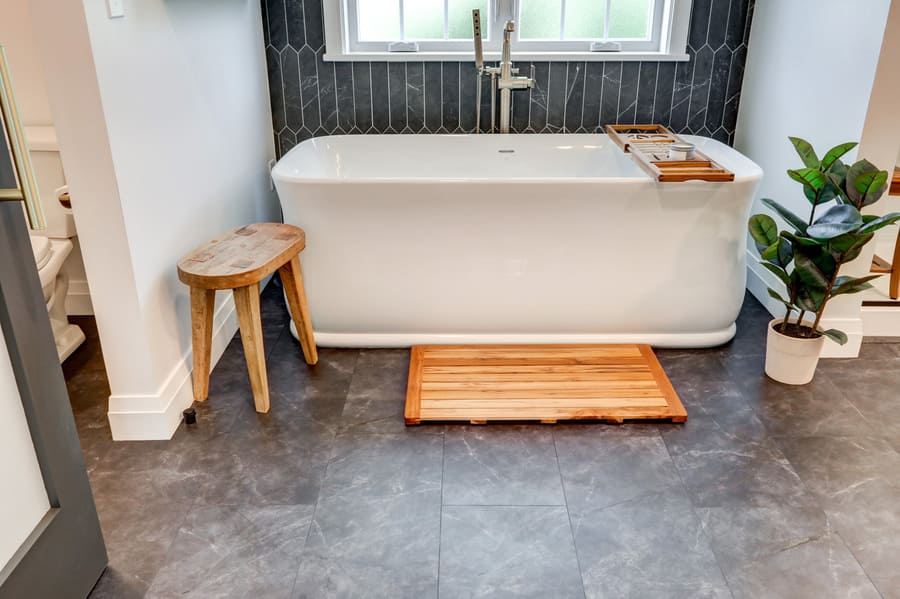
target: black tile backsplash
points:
(311, 97)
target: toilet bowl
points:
(49, 257)
(55, 247)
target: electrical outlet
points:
(116, 8)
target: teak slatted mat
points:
(649, 146)
(546, 383)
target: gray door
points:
(63, 555)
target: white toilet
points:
(53, 246)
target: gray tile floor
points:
(767, 491)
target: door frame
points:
(64, 555)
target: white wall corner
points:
(759, 279)
(157, 416)
(78, 299)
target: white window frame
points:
(672, 21)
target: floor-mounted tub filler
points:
(434, 239)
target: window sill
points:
(495, 56)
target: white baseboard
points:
(78, 299)
(881, 321)
(140, 417)
(759, 279)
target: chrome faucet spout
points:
(505, 61)
(505, 75)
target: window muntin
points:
(440, 29)
(435, 25)
(573, 25)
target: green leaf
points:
(812, 293)
(770, 254)
(837, 220)
(871, 186)
(778, 272)
(839, 337)
(880, 222)
(835, 153)
(857, 170)
(806, 301)
(811, 178)
(837, 181)
(854, 253)
(763, 230)
(805, 151)
(800, 241)
(792, 219)
(774, 294)
(846, 247)
(810, 273)
(845, 285)
(785, 252)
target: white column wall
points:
(164, 124)
(810, 70)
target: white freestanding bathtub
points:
(513, 239)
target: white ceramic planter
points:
(791, 360)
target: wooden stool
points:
(239, 260)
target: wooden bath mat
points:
(546, 383)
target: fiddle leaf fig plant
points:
(807, 259)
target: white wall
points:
(18, 38)
(881, 133)
(164, 124)
(25, 63)
(810, 70)
(23, 501)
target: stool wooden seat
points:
(239, 260)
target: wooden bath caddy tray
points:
(546, 383)
(649, 146)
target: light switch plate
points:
(116, 8)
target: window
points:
(565, 29)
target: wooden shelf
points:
(649, 146)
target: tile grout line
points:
(169, 546)
(684, 489)
(837, 533)
(562, 483)
(441, 513)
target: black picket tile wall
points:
(311, 97)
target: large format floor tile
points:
(496, 552)
(501, 466)
(382, 546)
(767, 491)
(610, 465)
(226, 551)
(651, 547)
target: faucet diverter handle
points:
(476, 30)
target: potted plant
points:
(808, 257)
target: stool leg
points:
(246, 299)
(292, 279)
(203, 302)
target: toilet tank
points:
(50, 177)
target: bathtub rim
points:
(698, 340)
(752, 173)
